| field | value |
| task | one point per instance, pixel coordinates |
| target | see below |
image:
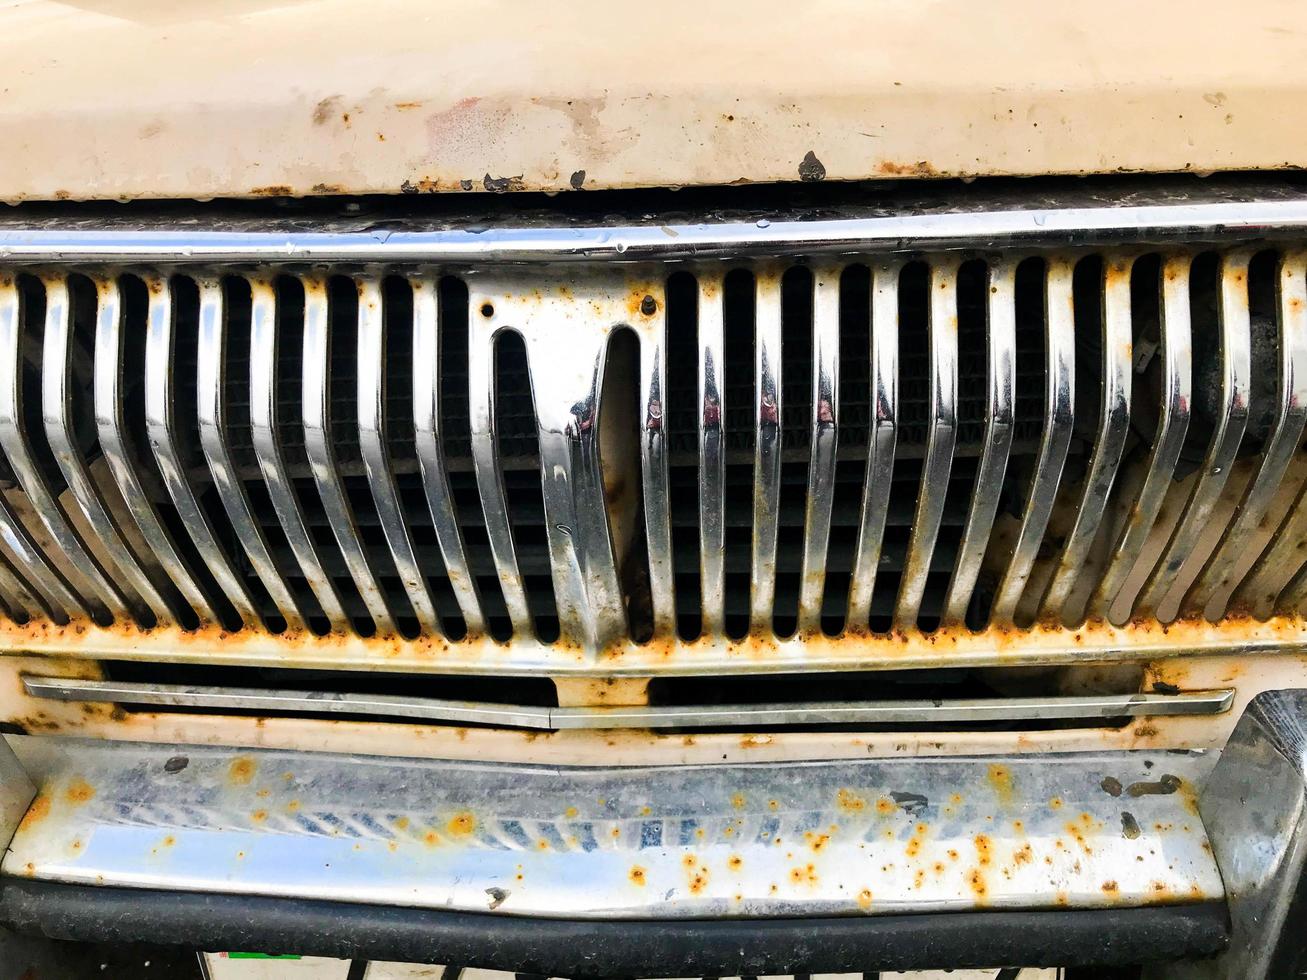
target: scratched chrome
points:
(823, 434)
(1001, 366)
(267, 448)
(651, 326)
(162, 429)
(1180, 562)
(372, 445)
(431, 451)
(935, 469)
(884, 434)
(1113, 429)
(1059, 406)
(922, 713)
(120, 455)
(767, 391)
(147, 604)
(316, 411)
(1173, 424)
(858, 838)
(565, 391)
(712, 456)
(211, 410)
(14, 439)
(1210, 593)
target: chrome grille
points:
(589, 458)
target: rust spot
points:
(914, 842)
(849, 801)
(38, 811)
(259, 816)
(637, 875)
(978, 887)
(884, 805)
(984, 849)
(816, 841)
(1055, 803)
(864, 898)
(1023, 855)
(577, 180)
(325, 109)
(1165, 786)
(273, 190)
(1000, 779)
(1111, 786)
(1109, 886)
(241, 770)
(735, 862)
(431, 838)
(461, 824)
(922, 168)
(804, 875)
(80, 791)
(570, 813)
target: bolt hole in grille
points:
(562, 463)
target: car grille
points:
(591, 457)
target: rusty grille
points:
(595, 457)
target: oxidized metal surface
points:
(410, 97)
(814, 839)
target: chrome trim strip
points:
(161, 426)
(767, 392)
(1173, 424)
(315, 409)
(1000, 381)
(1179, 564)
(430, 448)
(884, 434)
(823, 435)
(766, 234)
(712, 455)
(119, 454)
(46, 577)
(940, 441)
(1059, 408)
(263, 334)
(145, 602)
(372, 446)
(1113, 429)
(211, 412)
(1211, 592)
(923, 712)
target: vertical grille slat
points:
(372, 445)
(711, 416)
(211, 410)
(163, 429)
(1165, 587)
(1210, 593)
(1059, 402)
(21, 601)
(430, 448)
(57, 411)
(1117, 369)
(767, 380)
(111, 426)
(882, 441)
(267, 448)
(1001, 367)
(940, 441)
(316, 411)
(824, 443)
(654, 466)
(14, 439)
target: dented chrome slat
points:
(935, 469)
(15, 440)
(1001, 350)
(711, 417)
(111, 427)
(372, 444)
(212, 415)
(1059, 399)
(316, 411)
(1113, 429)
(263, 428)
(767, 448)
(652, 328)
(907, 712)
(1210, 593)
(161, 426)
(824, 443)
(430, 450)
(1173, 424)
(857, 838)
(880, 451)
(1166, 586)
(57, 413)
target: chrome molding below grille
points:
(915, 712)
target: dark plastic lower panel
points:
(555, 947)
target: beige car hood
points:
(149, 98)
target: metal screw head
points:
(648, 306)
